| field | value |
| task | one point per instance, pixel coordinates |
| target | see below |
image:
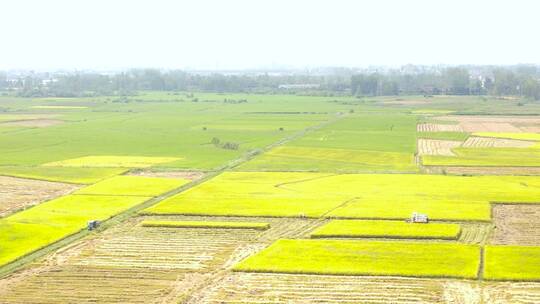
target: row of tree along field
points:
(522, 80)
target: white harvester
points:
(419, 218)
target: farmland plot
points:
(366, 196)
(359, 143)
(133, 186)
(504, 262)
(437, 147)
(18, 193)
(46, 223)
(340, 257)
(511, 292)
(135, 264)
(62, 174)
(491, 157)
(478, 123)
(251, 288)
(386, 229)
(516, 225)
(487, 142)
(431, 127)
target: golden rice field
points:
(386, 229)
(345, 257)
(366, 196)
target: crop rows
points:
(431, 127)
(487, 142)
(437, 147)
(474, 233)
(292, 288)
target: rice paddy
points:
(386, 229)
(357, 258)
(519, 263)
(366, 196)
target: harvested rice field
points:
(516, 225)
(17, 193)
(486, 142)
(437, 147)
(431, 127)
(254, 288)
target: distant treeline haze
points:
(523, 80)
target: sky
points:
(243, 34)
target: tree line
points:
(483, 80)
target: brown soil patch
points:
(516, 224)
(191, 175)
(431, 127)
(483, 170)
(35, 123)
(19, 193)
(479, 123)
(530, 129)
(489, 142)
(437, 147)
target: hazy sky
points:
(222, 34)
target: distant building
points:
(299, 86)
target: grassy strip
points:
(205, 224)
(339, 257)
(133, 185)
(387, 229)
(515, 263)
(112, 161)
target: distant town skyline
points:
(242, 34)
